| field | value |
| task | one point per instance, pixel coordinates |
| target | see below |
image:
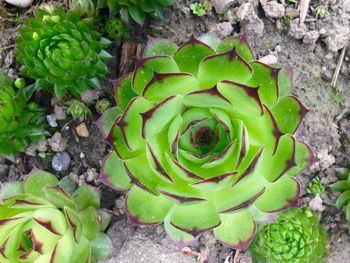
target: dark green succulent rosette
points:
(203, 138)
(44, 221)
(295, 237)
(21, 122)
(136, 10)
(62, 51)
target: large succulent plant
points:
(62, 51)
(203, 138)
(295, 237)
(343, 186)
(21, 122)
(42, 222)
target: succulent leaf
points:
(62, 51)
(296, 237)
(47, 224)
(205, 140)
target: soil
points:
(325, 127)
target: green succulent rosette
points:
(21, 122)
(295, 237)
(203, 138)
(62, 51)
(44, 221)
(343, 201)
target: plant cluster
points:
(78, 109)
(203, 138)
(316, 187)
(43, 220)
(343, 201)
(21, 121)
(200, 9)
(295, 237)
(62, 51)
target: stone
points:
(61, 162)
(90, 95)
(269, 59)
(338, 33)
(316, 204)
(297, 31)
(57, 143)
(222, 30)
(274, 10)
(255, 26)
(20, 3)
(51, 120)
(60, 112)
(245, 12)
(311, 37)
(82, 130)
(91, 174)
(221, 6)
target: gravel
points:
(60, 162)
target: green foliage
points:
(316, 187)
(102, 105)
(202, 131)
(200, 9)
(78, 109)
(42, 221)
(321, 12)
(115, 28)
(21, 122)
(343, 186)
(295, 237)
(62, 51)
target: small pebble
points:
(20, 3)
(82, 130)
(61, 162)
(51, 120)
(91, 174)
(57, 143)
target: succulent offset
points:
(42, 222)
(203, 138)
(21, 121)
(62, 51)
(295, 237)
(316, 187)
(343, 201)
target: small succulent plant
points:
(62, 51)
(21, 121)
(203, 138)
(200, 9)
(115, 28)
(343, 186)
(78, 109)
(43, 220)
(316, 187)
(295, 237)
(102, 105)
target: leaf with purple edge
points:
(113, 173)
(82, 252)
(107, 120)
(206, 98)
(237, 230)
(190, 54)
(227, 66)
(145, 69)
(63, 249)
(159, 47)
(304, 158)
(240, 43)
(144, 208)
(57, 196)
(288, 191)
(36, 181)
(210, 39)
(195, 219)
(124, 92)
(288, 113)
(74, 223)
(180, 238)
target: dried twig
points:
(340, 62)
(303, 8)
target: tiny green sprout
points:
(102, 105)
(78, 109)
(20, 83)
(44, 220)
(115, 28)
(316, 187)
(287, 21)
(348, 137)
(200, 9)
(321, 12)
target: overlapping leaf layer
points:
(62, 51)
(41, 222)
(203, 138)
